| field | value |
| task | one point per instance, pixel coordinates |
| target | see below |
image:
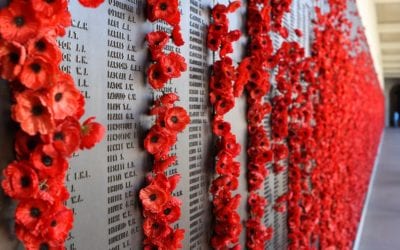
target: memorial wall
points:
(106, 53)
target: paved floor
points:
(381, 229)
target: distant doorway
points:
(394, 103)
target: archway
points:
(394, 102)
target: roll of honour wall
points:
(106, 53)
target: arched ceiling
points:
(388, 12)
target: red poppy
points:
(91, 133)
(12, 58)
(220, 127)
(32, 113)
(45, 46)
(48, 161)
(18, 22)
(226, 165)
(21, 181)
(157, 77)
(66, 137)
(57, 226)
(153, 198)
(229, 144)
(63, 97)
(157, 40)
(171, 212)
(91, 3)
(166, 10)
(31, 214)
(25, 144)
(176, 119)
(172, 65)
(156, 230)
(159, 140)
(37, 72)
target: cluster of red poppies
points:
(254, 71)
(227, 224)
(279, 9)
(168, 11)
(47, 107)
(329, 158)
(165, 66)
(160, 208)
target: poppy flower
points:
(166, 10)
(157, 77)
(159, 140)
(220, 127)
(48, 161)
(37, 73)
(157, 40)
(91, 3)
(229, 144)
(91, 133)
(176, 119)
(18, 22)
(65, 137)
(56, 23)
(57, 226)
(21, 181)
(171, 211)
(45, 46)
(25, 144)
(63, 97)
(226, 165)
(213, 41)
(12, 58)
(156, 229)
(172, 64)
(153, 198)
(223, 103)
(31, 214)
(32, 113)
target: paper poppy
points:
(153, 198)
(21, 181)
(18, 22)
(32, 113)
(63, 97)
(47, 160)
(37, 73)
(157, 77)
(65, 137)
(91, 133)
(176, 119)
(12, 58)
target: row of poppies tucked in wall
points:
(326, 117)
